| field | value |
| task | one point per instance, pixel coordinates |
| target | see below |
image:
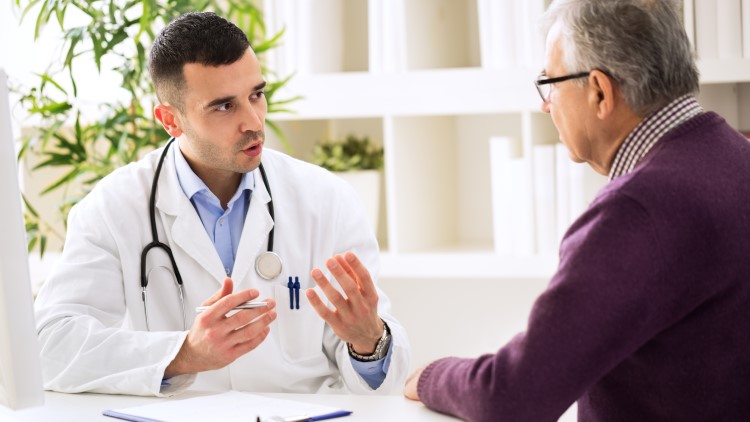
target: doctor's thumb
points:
(226, 289)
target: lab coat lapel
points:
(187, 231)
(258, 224)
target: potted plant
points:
(358, 161)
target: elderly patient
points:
(648, 315)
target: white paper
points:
(225, 407)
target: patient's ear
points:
(168, 116)
(602, 94)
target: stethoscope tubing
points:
(157, 244)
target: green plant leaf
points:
(67, 178)
(29, 208)
(47, 79)
(352, 153)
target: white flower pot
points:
(367, 185)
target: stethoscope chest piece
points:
(268, 265)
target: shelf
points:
(442, 91)
(724, 71)
(434, 80)
(466, 266)
(425, 92)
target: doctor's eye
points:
(224, 107)
(258, 95)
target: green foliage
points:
(118, 33)
(353, 153)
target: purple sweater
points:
(648, 315)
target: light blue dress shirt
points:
(224, 228)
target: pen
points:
(304, 418)
(296, 419)
(290, 286)
(332, 415)
(284, 419)
(296, 291)
(246, 305)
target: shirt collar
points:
(648, 132)
(191, 184)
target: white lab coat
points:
(90, 314)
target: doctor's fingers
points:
(247, 346)
(334, 296)
(327, 314)
(347, 277)
(254, 332)
(362, 275)
(222, 306)
(247, 316)
(226, 289)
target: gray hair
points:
(640, 43)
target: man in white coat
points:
(118, 314)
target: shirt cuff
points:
(373, 372)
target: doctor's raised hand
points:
(217, 339)
(354, 317)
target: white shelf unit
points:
(430, 81)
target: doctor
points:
(213, 227)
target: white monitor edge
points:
(20, 373)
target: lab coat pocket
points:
(300, 330)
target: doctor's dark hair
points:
(196, 37)
(642, 44)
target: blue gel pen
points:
(290, 285)
(296, 290)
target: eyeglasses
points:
(544, 84)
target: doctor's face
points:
(223, 117)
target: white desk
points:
(88, 407)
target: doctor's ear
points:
(166, 114)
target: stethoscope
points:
(268, 264)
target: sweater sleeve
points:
(600, 306)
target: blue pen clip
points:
(296, 290)
(290, 286)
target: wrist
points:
(173, 369)
(367, 346)
(179, 365)
(376, 352)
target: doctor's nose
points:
(253, 120)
